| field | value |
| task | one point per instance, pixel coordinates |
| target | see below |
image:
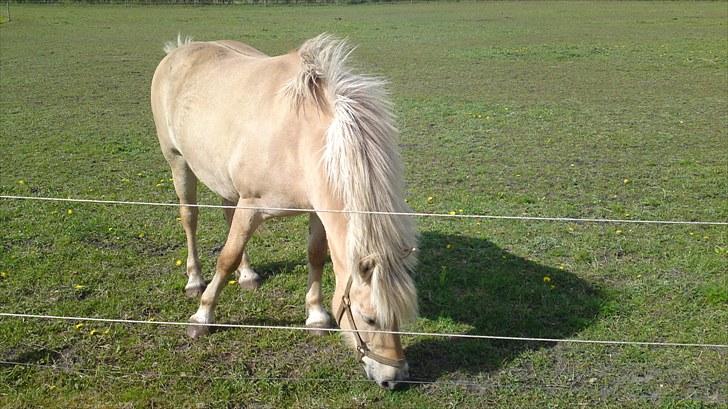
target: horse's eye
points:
(369, 321)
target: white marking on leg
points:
(318, 318)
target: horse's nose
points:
(387, 377)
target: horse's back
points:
(220, 106)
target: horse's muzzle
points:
(388, 377)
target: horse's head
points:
(363, 172)
(370, 303)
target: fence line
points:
(451, 215)
(123, 374)
(406, 333)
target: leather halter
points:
(362, 350)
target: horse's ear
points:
(366, 267)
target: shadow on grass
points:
(41, 355)
(476, 283)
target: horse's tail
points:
(362, 163)
(170, 46)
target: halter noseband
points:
(362, 350)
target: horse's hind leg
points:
(316, 315)
(185, 184)
(244, 223)
(247, 277)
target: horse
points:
(283, 135)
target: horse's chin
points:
(388, 377)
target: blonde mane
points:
(362, 162)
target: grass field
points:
(615, 110)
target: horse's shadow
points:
(471, 283)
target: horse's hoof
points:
(318, 329)
(319, 322)
(194, 292)
(197, 330)
(249, 280)
(249, 284)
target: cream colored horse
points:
(296, 131)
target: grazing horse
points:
(295, 131)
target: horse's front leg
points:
(247, 277)
(316, 315)
(244, 223)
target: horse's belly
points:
(219, 183)
(250, 172)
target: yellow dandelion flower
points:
(141, 235)
(79, 286)
(430, 199)
(178, 262)
(546, 279)
(449, 246)
(626, 181)
(451, 212)
(93, 332)
(618, 232)
(106, 331)
(21, 182)
(460, 210)
(69, 211)
(78, 326)
(159, 185)
(231, 282)
(3, 274)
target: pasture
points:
(605, 110)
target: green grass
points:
(612, 110)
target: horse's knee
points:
(228, 261)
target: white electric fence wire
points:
(408, 333)
(415, 214)
(146, 375)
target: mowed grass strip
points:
(612, 110)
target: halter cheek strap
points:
(362, 350)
